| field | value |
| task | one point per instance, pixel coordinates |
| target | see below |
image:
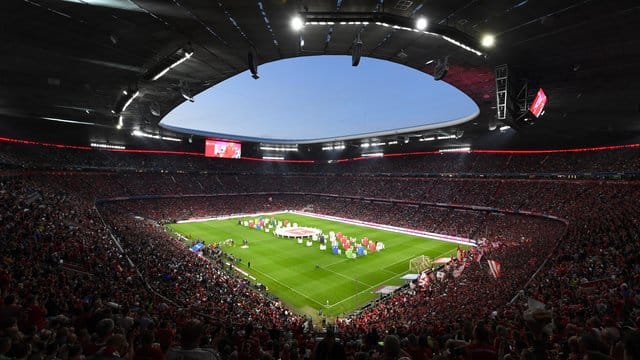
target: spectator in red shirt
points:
(148, 350)
(481, 348)
(250, 347)
(36, 313)
(164, 335)
(116, 348)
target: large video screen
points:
(222, 149)
(538, 103)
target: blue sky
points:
(322, 97)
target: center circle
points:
(297, 232)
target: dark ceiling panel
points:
(59, 58)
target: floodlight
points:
(488, 40)
(126, 105)
(421, 24)
(107, 146)
(186, 56)
(297, 23)
(375, 154)
(464, 149)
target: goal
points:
(419, 264)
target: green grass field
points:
(289, 271)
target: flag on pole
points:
(494, 267)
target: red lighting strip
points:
(138, 151)
(59, 146)
(556, 151)
(504, 152)
(280, 161)
(477, 151)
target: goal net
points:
(419, 264)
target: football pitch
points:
(307, 279)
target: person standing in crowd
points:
(329, 348)
(191, 336)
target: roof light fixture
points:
(297, 23)
(126, 105)
(421, 23)
(488, 40)
(186, 56)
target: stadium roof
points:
(66, 65)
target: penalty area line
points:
(363, 291)
(344, 276)
(380, 283)
(374, 286)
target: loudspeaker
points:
(252, 66)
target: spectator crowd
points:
(80, 279)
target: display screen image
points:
(537, 106)
(222, 149)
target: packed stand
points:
(69, 289)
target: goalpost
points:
(419, 264)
